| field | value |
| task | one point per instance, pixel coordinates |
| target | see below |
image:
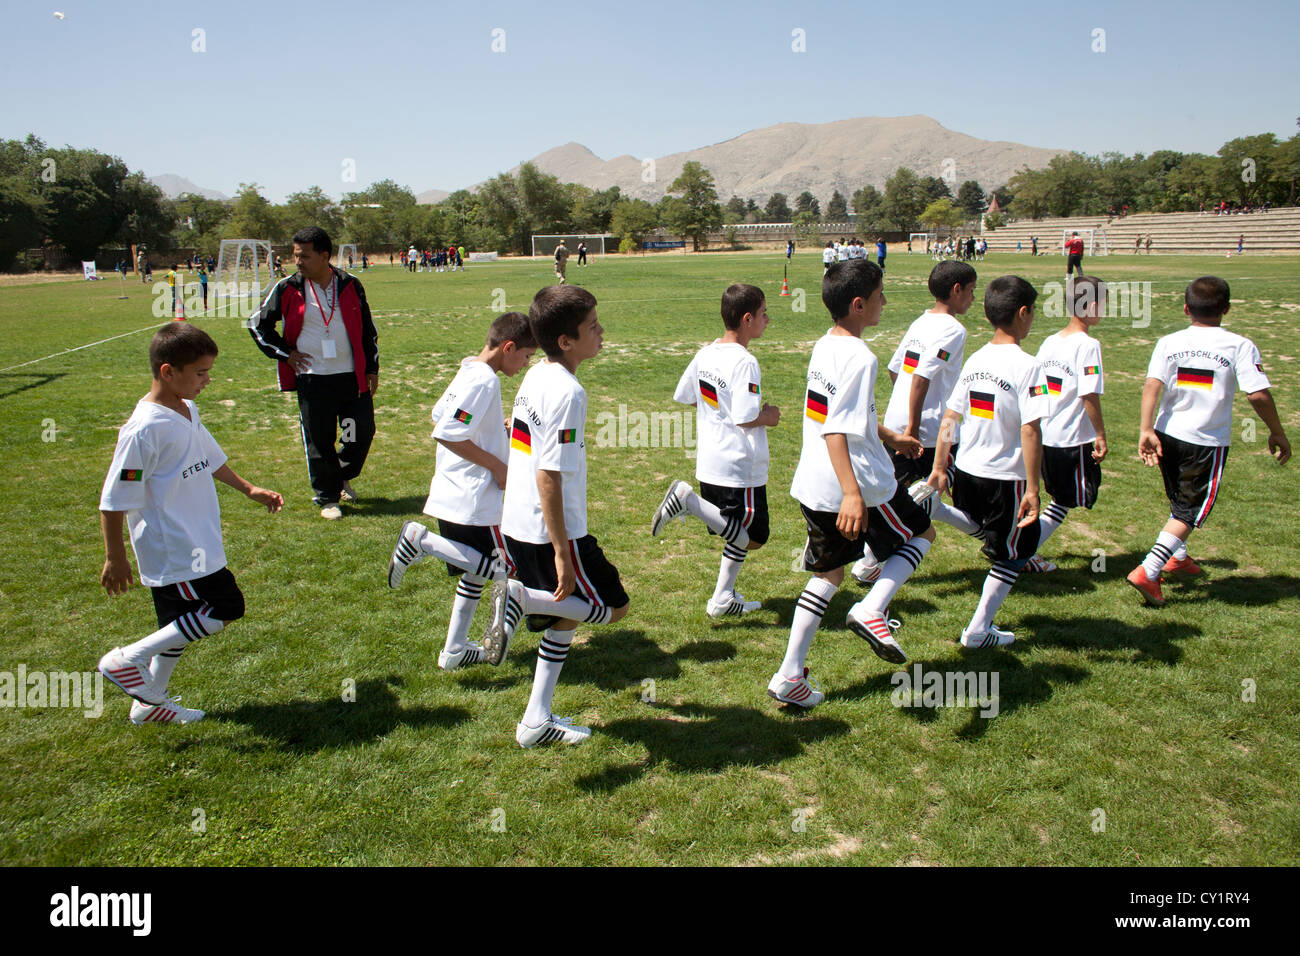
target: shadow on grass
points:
(902, 607)
(306, 726)
(41, 378)
(408, 507)
(693, 738)
(619, 658)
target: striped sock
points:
(186, 628)
(162, 666)
(551, 655)
(1180, 552)
(731, 529)
(953, 517)
(732, 560)
(457, 555)
(808, 613)
(1161, 552)
(896, 569)
(996, 588)
(572, 608)
(469, 589)
(1050, 520)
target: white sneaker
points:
(921, 492)
(471, 653)
(507, 611)
(347, 494)
(168, 712)
(733, 604)
(1039, 565)
(878, 631)
(331, 512)
(866, 570)
(673, 506)
(993, 637)
(132, 677)
(555, 730)
(406, 552)
(801, 691)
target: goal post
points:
(244, 271)
(348, 249)
(1094, 241)
(919, 241)
(546, 245)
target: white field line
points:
(80, 347)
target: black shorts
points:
(910, 470)
(1193, 475)
(486, 539)
(889, 526)
(992, 503)
(596, 580)
(747, 505)
(1072, 263)
(217, 590)
(1071, 476)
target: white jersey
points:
(1072, 365)
(546, 434)
(469, 410)
(934, 347)
(828, 255)
(843, 252)
(161, 476)
(841, 400)
(1201, 367)
(1000, 389)
(724, 384)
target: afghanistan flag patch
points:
(943, 355)
(981, 404)
(1259, 368)
(708, 393)
(753, 387)
(1195, 377)
(910, 360)
(568, 436)
(1092, 370)
(521, 439)
(1037, 389)
(1053, 385)
(132, 474)
(462, 416)
(816, 406)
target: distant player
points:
(881, 250)
(829, 256)
(469, 483)
(1198, 370)
(724, 384)
(160, 485)
(845, 485)
(582, 253)
(1074, 255)
(999, 401)
(561, 260)
(1074, 434)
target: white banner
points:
(482, 257)
(88, 270)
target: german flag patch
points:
(1195, 377)
(981, 404)
(709, 394)
(1053, 385)
(816, 407)
(521, 439)
(910, 361)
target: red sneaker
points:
(1150, 589)
(1181, 566)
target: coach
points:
(329, 353)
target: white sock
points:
(1050, 520)
(572, 608)
(996, 588)
(733, 558)
(186, 628)
(953, 517)
(1162, 551)
(550, 661)
(896, 569)
(1180, 553)
(730, 528)
(162, 666)
(808, 612)
(469, 589)
(456, 554)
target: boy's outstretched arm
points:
(271, 499)
(1092, 407)
(852, 520)
(1278, 446)
(473, 453)
(116, 576)
(1148, 442)
(550, 488)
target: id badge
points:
(328, 349)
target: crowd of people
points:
(451, 259)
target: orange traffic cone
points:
(785, 286)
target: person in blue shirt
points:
(880, 253)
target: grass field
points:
(1104, 705)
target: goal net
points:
(546, 245)
(1094, 241)
(348, 250)
(919, 241)
(244, 271)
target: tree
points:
(734, 211)
(807, 202)
(88, 201)
(22, 207)
(942, 213)
(777, 209)
(970, 198)
(199, 221)
(906, 197)
(253, 217)
(837, 209)
(633, 219)
(371, 215)
(312, 207)
(806, 228)
(869, 206)
(1031, 188)
(702, 214)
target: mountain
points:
(821, 157)
(431, 196)
(173, 186)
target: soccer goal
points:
(345, 250)
(1094, 241)
(244, 270)
(919, 241)
(546, 245)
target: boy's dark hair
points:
(848, 280)
(558, 310)
(1207, 297)
(1006, 296)
(948, 274)
(511, 327)
(739, 299)
(316, 237)
(1085, 291)
(178, 344)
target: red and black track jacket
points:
(286, 302)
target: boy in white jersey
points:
(1198, 370)
(559, 575)
(923, 371)
(829, 255)
(999, 400)
(724, 384)
(161, 482)
(845, 484)
(469, 483)
(1074, 435)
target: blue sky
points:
(284, 94)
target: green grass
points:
(1104, 704)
